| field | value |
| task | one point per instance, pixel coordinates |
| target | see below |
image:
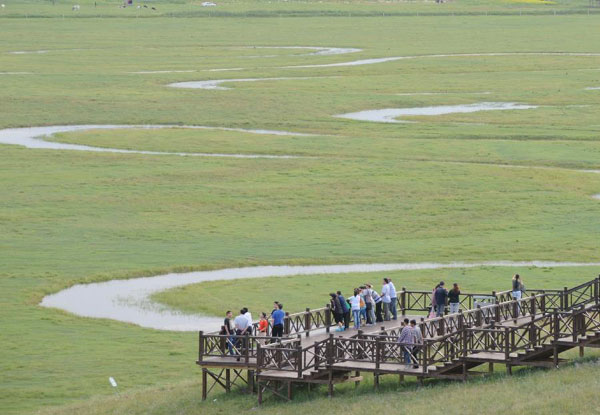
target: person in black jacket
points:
(441, 295)
(337, 310)
(454, 298)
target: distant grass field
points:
(365, 192)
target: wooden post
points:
(286, 323)
(307, 322)
(330, 348)
(442, 327)
(289, 390)
(330, 383)
(227, 380)
(247, 349)
(556, 337)
(425, 353)
(377, 353)
(327, 317)
(317, 353)
(204, 380)
(403, 301)
(565, 302)
(596, 290)
(200, 345)
(251, 381)
(478, 315)
(507, 344)
(581, 351)
(532, 307)
(491, 367)
(259, 394)
(543, 304)
(575, 319)
(376, 380)
(299, 360)
(515, 310)
(357, 383)
(496, 311)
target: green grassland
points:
(364, 192)
(571, 390)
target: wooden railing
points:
(571, 318)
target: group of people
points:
(366, 305)
(243, 325)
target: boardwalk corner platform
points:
(493, 328)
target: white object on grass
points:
(112, 381)
(208, 4)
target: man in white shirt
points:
(249, 318)
(385, 295)
(241, 327)
(393, 299)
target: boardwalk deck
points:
(532, 331)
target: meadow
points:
(481, 186)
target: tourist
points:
(393, 299)
(441, 295)
(370, 305)
(517, 287)
(418, 343)
(385, 295)
(226, 330)
(278, 316)
(378, 304)
(241, 328)
(249, 317)
(453, 298)
(517, 290)
(363, 303)
(433, 303)
(337, 310)
(346, 308)
(406, 341)
(275, 307)
(263, 325)
(355, 305)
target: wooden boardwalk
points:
(493, 329)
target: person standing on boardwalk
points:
(418, 343)
(406, 341)
(393, 300)
(355, 304)
(385, 298)
(337, 310)
(263, 325)
(441, 295)
(453, 298)
(346, 308)
(517, 287)
(278, 317)
(241, 328)
(249, 318)
(378, 304)
(517, 290)
(370, 304)
(226, 330)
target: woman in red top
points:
(263, 325)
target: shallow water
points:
(319, 50)
(408, 94)
(129, 300)
(452, 55)
(33, 137)
(592, 88)
(596, 196)
(216, 83)
(389, 115)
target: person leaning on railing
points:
(385, 295)
(346, 308)
(418, 343)
(406, 340)
(517, 287)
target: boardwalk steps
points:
(532, 331)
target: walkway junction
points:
(494, 328)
